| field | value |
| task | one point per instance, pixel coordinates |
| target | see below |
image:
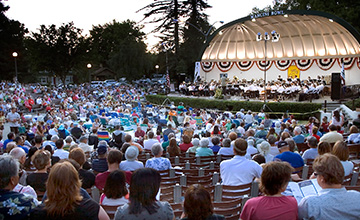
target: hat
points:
(61, 127)
(282, 144)
(131, 153)
(102, 149)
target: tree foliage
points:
(121, 47)
(11, 39)
(168, 14)
(56, 50)
(345, 9)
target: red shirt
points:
(184, 147)
(267, 207)
(100, 179)
(317, 136)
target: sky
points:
(86, 13)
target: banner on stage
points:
(293, 72)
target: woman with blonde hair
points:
(64, 200)
(341, 150)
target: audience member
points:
(186, 143)
(115, 190)
(173, 149)
(264, 149)
(145, 184)
(198, 204)
(273, 182)
(60, 152)
(333, 201)
(239, 170)
(100, 165)
(64, 200)
(332, 136)
(294, 159)
(150, 141)
(87, 177)
(324, 147)
(131, 164)
(341, 150)
(158, 162)
(196, 144)
(14, 205)
(204, 149)
(41, 161)
(311, 153)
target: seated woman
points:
(274, 180)
(354, 133)
(115, 189)
(64, 200)
(158, 162)
(333, 201)
(198, 205)
(186, 143)
(144, 185)
(41, 161)
(173, 149)
(341, 150)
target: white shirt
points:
(239, 171)
(61, 153)
(248, 118)
(85, 147)
(13, 116)
(274, 150)
(149, 143)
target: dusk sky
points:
(84, 14)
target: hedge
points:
(227, 105)
(353, 104)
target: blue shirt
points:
(331, 204)
(294, 159)
(6, 142)
(215, 148)
(158, 163)
(299, 139)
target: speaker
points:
(335, 86)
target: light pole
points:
(89, 67)
(166, 48)
(157, 69)
(15, 54)
(274, 38)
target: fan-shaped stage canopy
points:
(306, 38)
(302, 34)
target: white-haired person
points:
(196, 145)
(264, 149)
(14, 205)
(20, 155)
(158, 162)
(204, 149)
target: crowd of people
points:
(89, 138)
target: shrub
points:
(227, 105)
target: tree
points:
(121, 47)
(11, 40)
(56, 50)
(345, 9)
(196, 31)
(167, 14)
